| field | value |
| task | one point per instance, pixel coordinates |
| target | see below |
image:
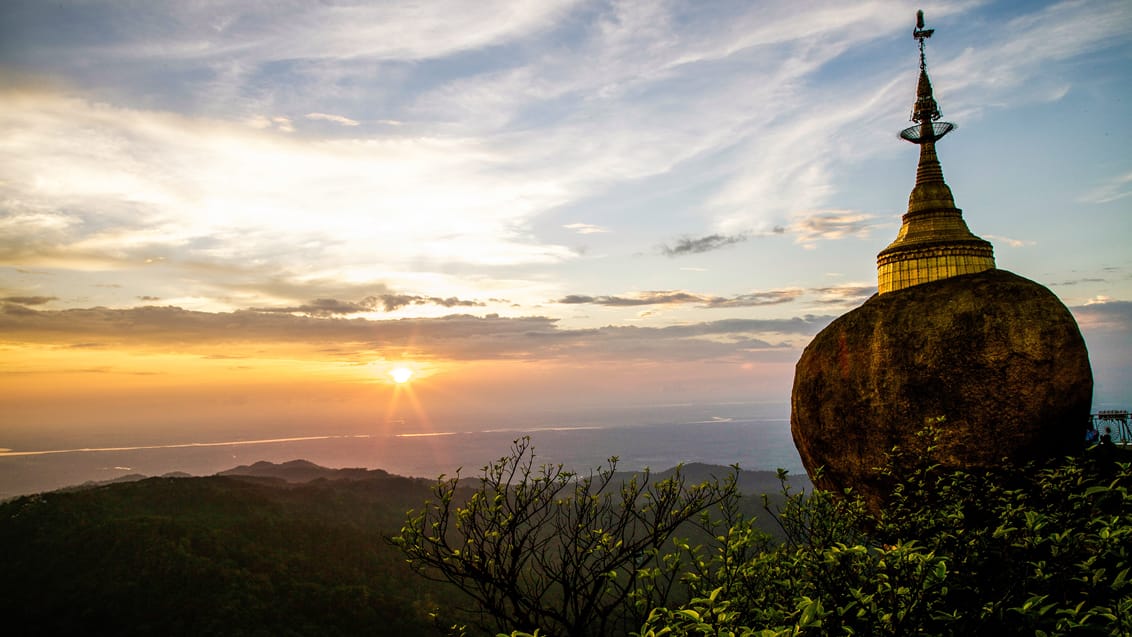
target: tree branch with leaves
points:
(538, 546)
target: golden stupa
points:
(934, 242)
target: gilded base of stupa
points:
(919, 264)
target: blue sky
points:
(652, 200)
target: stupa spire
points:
(934, 242)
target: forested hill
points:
(291, 549)
(220, 555)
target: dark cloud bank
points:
(385, 302)
(852, 294)
(675, 297)
(458, 336)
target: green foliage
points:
(214, 556)
(541, 547)
(1034, 551)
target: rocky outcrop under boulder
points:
(995, 359)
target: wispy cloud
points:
(643, 298)
(755, 299)
(148, 186)
(585, 228)
(257, 34)
(1011, 64)
(1105, 314)
(1071, 282)
(28, 300)
(278, 122)
(844, 294)
(323, 307)
(385, 302)
(697, 245)
(830, 225)
(1115, 189)
(679, 297)
(337, 119)
(395, 301)
(1013, 243)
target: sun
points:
(401, 375)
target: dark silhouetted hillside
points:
(218, 555)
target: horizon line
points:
(181, 445)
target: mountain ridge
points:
(301, 471)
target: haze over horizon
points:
(221, 220)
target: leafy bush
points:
(1031, 551)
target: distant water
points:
(752, 443)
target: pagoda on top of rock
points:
(989, 363)
(934, 242)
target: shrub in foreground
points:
(1034, 551)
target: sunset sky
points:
(223, 219)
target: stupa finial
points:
(921, 34)
(925, 111)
